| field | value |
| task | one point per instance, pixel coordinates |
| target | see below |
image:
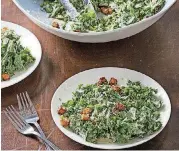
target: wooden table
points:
(154, 52)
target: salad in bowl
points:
(113, 14)
(107, 21)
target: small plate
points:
(64, 93)
(29, 40)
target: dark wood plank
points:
(154, 52)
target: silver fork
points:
(28, 112)
(23, 127)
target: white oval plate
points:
(64, 92)
(29, 40)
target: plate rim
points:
(15, 81)
(99, 146)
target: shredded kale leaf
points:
(124, 12)
(14, 57)
(138, 114)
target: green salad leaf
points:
(123, 13)
(134, 112)
(14, 57)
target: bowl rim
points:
(162, 11)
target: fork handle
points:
(53, 146)
(42, 133)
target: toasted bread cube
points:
(65, 122)
(102, 80)
(113, 81)
(106, 10)
(85, 117)
(5, 76)
(61, 110)
(120, 106)
(55, 24)
(86, 111)
(116, 88)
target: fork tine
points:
(23, 104)
(19, 103)
(12, 119)
(30, 102)
(26, 101)
(19, 116)
(15, 116)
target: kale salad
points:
(114, 14)
(105, 110)
(14, 57)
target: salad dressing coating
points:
(98, 111)
(114, 14)
(14, 57)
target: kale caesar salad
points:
(105, 110)
(14, 57)
(113, 14)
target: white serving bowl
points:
(31, 8)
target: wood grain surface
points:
(154, 52)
